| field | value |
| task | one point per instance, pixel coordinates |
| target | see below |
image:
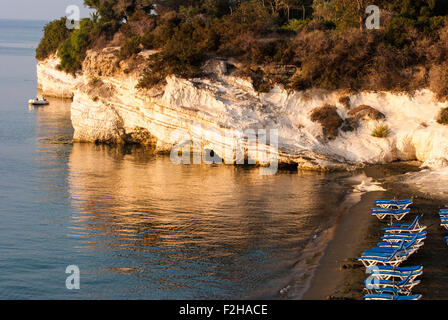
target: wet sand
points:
(339, 276)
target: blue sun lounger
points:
(406, 228)
(398, 204)
(393, 254)
(381, 286)
(444, 222)
(419, 237)
(392, 297)
(412, 245)
(409, 246)
(405, 286)
(389, 272)
(382, 213)
(393, 258)
(443, 213)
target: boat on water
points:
(39, 102)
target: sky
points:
(38, 9)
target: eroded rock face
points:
(364, 112)
(329, 119)
(140, 136)
(103, 63)
(361, 113)
(108, 108)
(55, 83)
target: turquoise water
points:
(136, 225)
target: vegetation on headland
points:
(324, 42)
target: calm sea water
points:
(136, 225)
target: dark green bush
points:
(398, 31)
(148, 40)
(55, 33)
(443, 116)
(131, 47)
(73, 51)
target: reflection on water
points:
(193, 231)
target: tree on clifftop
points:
(345, 13)
(117, 10)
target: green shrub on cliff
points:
(73, 51)
(131, 47)
(55, 33)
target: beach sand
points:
(339, 276)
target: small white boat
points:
(39, 102)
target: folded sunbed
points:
(414, 227)
(398, 204)
(392, 297)
(382, 213)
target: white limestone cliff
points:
(217, 109)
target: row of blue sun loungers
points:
(388, 280)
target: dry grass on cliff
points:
(381, 131)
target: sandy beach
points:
(339, 276)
